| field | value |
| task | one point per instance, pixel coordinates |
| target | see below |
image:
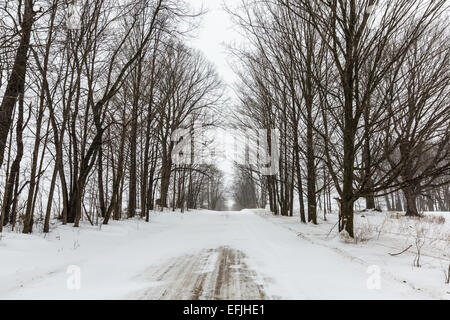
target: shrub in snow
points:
(364, 232)
(447, 275)
(345, 237)
(434, 219)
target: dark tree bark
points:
(411, 202)
(50, 201)
(166, 171)
(15, 169)
(16, 82)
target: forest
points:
(88, 112)
(223, 150)
(357, 91)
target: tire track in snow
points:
(214, 274)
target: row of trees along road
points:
(87, 114)
(359, 91)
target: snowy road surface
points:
(196, 255)
(212, 274)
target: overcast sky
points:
(215, 32)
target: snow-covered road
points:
(219, 273)
(196, 255)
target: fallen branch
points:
(87, 216)
(447, 276)
(332, 229)
(397, 254)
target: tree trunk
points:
(370, 202)
(311, 179)
(27, 225)
(131, 211)
(49, 201)
(166, 171)
(101, 191)
(398, 202)
(299, 180)
(346, 219)
(430, 202)
(411, 202)
(388, 203)
(16, 82)
(15, 169)
(310, 150)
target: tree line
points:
(88, 112)
(359, 93)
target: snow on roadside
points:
(35, 266)
(381, 234)
(290, 260)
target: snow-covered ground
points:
(381, 240)
(224, 255)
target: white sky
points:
(215, 33)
